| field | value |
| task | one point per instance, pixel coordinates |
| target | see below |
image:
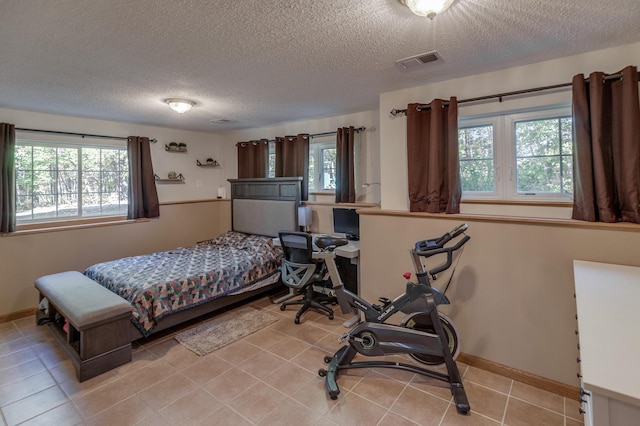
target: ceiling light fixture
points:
(180, 105)
(428, 8)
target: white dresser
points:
(608, 303)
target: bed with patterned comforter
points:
(162, 283)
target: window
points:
(323, 176)
(322, 165)
(517, 156)
(58, 181)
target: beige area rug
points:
(220, 331)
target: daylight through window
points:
(63, 181)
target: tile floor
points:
(267, 378)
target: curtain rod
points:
(55, 132)
(396, 112)
(315, 135)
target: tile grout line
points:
(506, 406)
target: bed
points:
(168, 288)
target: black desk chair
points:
(300, 271)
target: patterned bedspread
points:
(161, 283)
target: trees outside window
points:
(57, 181)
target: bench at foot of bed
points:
(97, 332)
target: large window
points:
(57, 181)
(517, 156)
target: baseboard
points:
(18, 315)
(522, 376)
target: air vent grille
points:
(417, 60)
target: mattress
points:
(163, 283)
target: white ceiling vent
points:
(418, 60)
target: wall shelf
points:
(175, 149)
(209, 163)
(179, 179)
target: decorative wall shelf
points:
(178, 179)
(175, 148)
(208, 163)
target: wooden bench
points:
(98, 335)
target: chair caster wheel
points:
(297, 320)
(283, 307)
(322, 372)
(334, 397)
(327, 359)
(330, 317)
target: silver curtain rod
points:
(396, 112)
(55, 132)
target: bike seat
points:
(324, 241)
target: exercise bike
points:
(427, 335)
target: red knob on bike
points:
(406, 275)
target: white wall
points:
(393, 149)
(368, 151)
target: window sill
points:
(45, 227)
(518, 202)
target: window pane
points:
(542, 149)
(48, 181)
(328, 168)
(67, 205)
(475, 151)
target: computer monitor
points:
(346, 221)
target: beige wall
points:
(513, 296)
(393, 150)
(367, 145)
(512, 293)
(23, 258)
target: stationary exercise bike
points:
(425, 334)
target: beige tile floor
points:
(267, 378)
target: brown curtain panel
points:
(606, 117)
(432, 156)
(143, 197)
(7, 178)
(292, 159)
(345, 155)
(252, 159)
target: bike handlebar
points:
(428, 248)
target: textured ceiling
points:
(261, 63)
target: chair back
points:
(298, 266)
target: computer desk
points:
(350, 251)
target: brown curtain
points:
(606, 116)
(143, 197)
(252, 159)
(7, 178)
(345, 154)
(292, 159)
(432, 156)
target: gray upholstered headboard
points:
(265, 206)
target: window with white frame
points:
(524, 155)
(63, 181)
(322, 165)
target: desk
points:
(347, 261)
(607, 302)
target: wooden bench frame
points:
(93, 348)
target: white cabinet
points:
(607, 299)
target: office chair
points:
(300, 271)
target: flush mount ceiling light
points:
(180, 105)
(428, 8)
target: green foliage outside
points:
(68, 182)
(544, 155)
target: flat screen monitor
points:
(346, 221)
